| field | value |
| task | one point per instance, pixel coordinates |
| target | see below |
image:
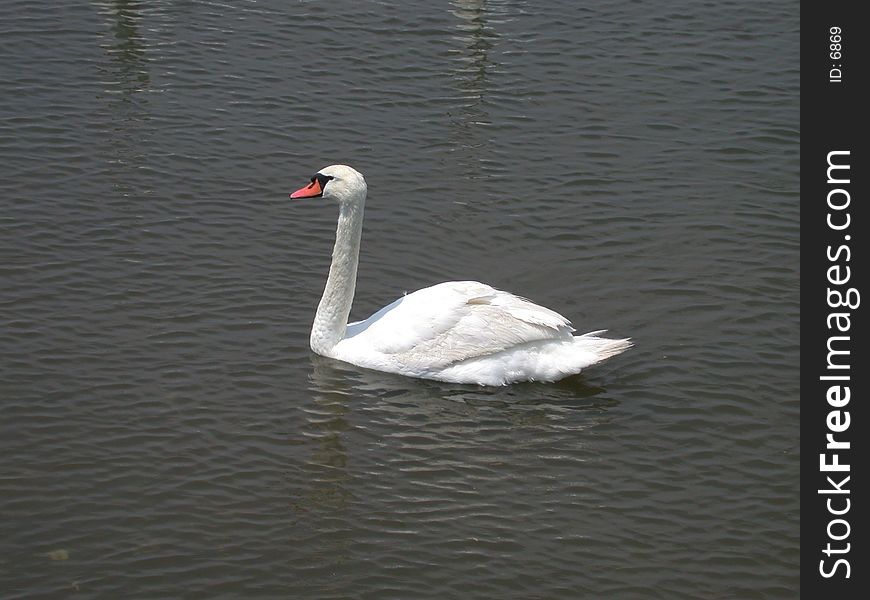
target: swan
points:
(457, 331)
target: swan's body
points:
(458, 331)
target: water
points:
(165, 431)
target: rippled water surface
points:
(164, 429)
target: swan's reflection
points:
(342, 386)
(325, 423)
(365, 428)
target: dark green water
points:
(165, 431)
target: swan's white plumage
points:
(459, 331)
(454, 321)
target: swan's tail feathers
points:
(600, 348)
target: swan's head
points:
(335, 182)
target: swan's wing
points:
(457, 320)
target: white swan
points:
(457, 331)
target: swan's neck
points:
(330, 322)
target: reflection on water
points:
(327, 466)
(470, 79)
(337, 387)
(374, 440)
(127, 50)
(123, 84)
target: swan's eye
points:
(322, 179)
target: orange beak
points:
(312, 190)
